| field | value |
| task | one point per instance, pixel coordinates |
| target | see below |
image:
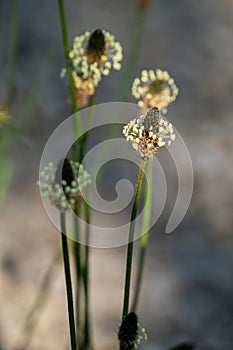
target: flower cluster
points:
(63, 184)
(155, 89)
(93, 55)
(128, 333)
(148, 133)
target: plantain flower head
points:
(63, 184)
(148, 133)
(130, 333)
(154, 89)
(93, 55)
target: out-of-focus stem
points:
(145, 236)
(133, 55)
(12, 50)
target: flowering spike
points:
(130, 333)
(95, 46)
(63, 185)
(93, 55)
(64, 172)
(151, 120)
(154, 89)
(148, 133)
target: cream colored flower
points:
(93, 55)
(148, 133)
(155, 89)
(63, 184)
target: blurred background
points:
(188, 285)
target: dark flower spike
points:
(130, 334)
(148, 133)
(64, 172)
(151, 120)
(96, 46)
(93, 55)
(63, 185)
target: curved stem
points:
(131, 237)
(145, 236)
(68, 61)
(68, 282)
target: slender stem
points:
(12, 50)
(145, 234)
(6, 166)
(83, 141)
(133, 55)
(78, 275)
(68, 60)
(68, 282)
(87, 339)
(75, 109)
(90, 114)
(83, 138)
(131, 237)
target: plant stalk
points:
(67, 58)
(145, 234)
(12, 50)
(87, 339)
(75, 109)
(131, 237)
(68, 282)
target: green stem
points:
(68, 60)
(133, 55)
(83, 141)
(12, 50)
(68, 282)
(83, 138)
(131, 237)
(87, 339)
(75, 109)
(78, 274)
(145, 234)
